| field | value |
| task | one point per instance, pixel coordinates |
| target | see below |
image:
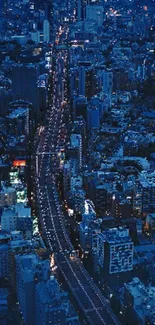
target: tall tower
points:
(81, 9)
(82, 80)
(46, 30)
(3, 7)
(24, 83)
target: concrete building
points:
(150, 222)
(78, 195)
(80, 107)
(76, 147)
(24, 220)
(139, 301)
(147, 186)
(49, 307)
(81, 8)
(102, 198)
(96, 13)
(17, 246)
(8, 196)
(93, 118)
(66, 177)
(79, 127)
(24, 83)
(46, 31)
(29, 271)
(35, 36)
(18, 218)
(115, 250)
(9, 220)
(18, 122)
(85, 227)
(82, 80)
(3, 260)
(107, 82)
(122, 208)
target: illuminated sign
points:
(19, 163)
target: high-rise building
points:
(95, 12)
(8, 196)
(147, 189)
(79, 127)
(93, 118)
(82, 80)
(49, 307)
(107, 82)
(46, 31)
(66, 177)
(49, 11)
(87, 79)
(18, 218)
(139, 302)
(5, 98)
(17, 246)
(76, 147)
(115, 250)
(24, 83)
(30, 270)
(79, 196)
(18, 122)
(73, 82)
(102, 197)
(85, 229)
(3, 7)
(3, 260)
(35, 36)
(80, 107)
(81, 9)
(9, 220)
(122, 208)
(24, 220)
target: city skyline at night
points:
(77, 164)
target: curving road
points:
(91, 302)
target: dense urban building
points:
(77, 145)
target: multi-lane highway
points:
(94, 307)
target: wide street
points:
(90, 301)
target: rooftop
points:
(144, 298)
(18, 112)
